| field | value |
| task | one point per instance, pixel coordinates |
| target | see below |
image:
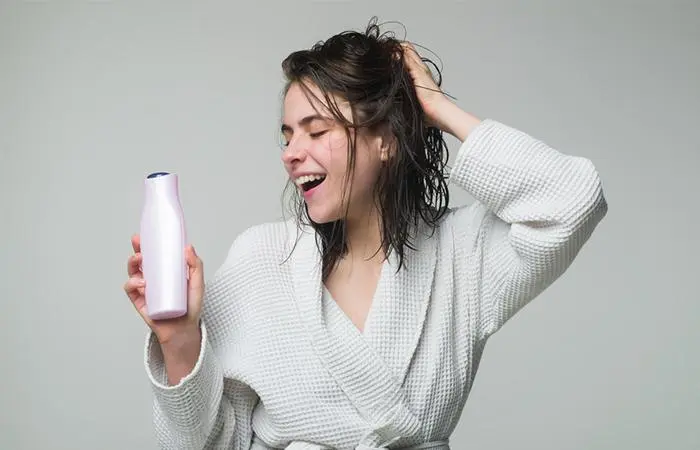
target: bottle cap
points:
(157, 174)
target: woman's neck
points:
(364, 237)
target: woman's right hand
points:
(180, 332)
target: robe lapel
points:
(361, 372)
(396, 323)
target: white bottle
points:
(163, 241)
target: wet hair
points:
(367, 69)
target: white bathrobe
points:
(281, 366)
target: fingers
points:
(134, 287)
(134, 264)
(408, 46)
(193, 261)
(195, 283)
(135, 284)
(136, 243)
(414, 60)
(411, 52)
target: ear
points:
(384, 154)
(387, 144)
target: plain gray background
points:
(94, 95)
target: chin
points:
(321, 215)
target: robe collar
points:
(370, 367)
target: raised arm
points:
(536, 209)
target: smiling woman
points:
(359, 121)
(365, 330)
(309, 183)
(314, 126)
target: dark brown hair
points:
(367, 69)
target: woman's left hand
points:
(429, 94)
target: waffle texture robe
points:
(281, 366)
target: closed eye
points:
(318, 134)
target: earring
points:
(383, 155)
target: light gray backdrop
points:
(94, 95)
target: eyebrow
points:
(305, 121)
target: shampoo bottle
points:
(163, 241)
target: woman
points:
(361, 323)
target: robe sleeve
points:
(205, 410)
(535, 209)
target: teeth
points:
(306, 178)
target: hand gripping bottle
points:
(163, 241)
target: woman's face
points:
(316, 158)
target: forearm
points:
(451, 119)
(190, 409)
(511, 171)
(523, 180)
(538, 207)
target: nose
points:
(294, 153)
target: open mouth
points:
(308, 182)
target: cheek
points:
(337, 154)
(367, 164)
(332, 154)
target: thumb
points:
(195, 267)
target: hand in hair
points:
(439, 111)
(429, 94)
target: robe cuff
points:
(193, 401)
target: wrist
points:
(180, 354)
(451, 119)
(182, 344)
